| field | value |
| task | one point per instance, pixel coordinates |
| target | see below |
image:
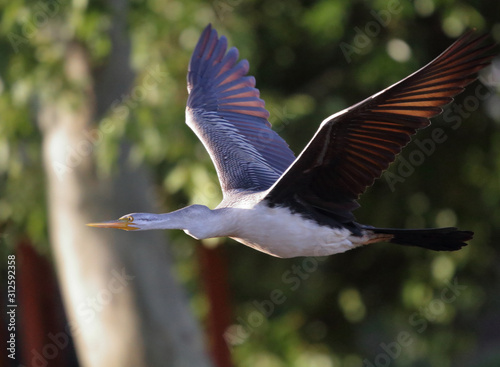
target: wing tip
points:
(218, 69)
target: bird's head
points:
(191, 218)
(129, 222)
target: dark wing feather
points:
(226, 113)
(353, 147)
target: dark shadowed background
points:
(92, 98)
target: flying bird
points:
(289, 206)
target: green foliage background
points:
(341, 311)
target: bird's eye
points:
(127, 218)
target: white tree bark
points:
(123, 304)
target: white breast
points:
(278, 232)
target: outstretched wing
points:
(353, 147)
(227, 115)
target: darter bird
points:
(286, 206)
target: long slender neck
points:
(198, 221)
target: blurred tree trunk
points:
(124, 306)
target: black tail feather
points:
(437, 239)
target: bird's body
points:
(280, 232)
(286, 206)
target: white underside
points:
(278, 232)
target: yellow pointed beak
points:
(125, 224)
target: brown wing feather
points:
(352, 148)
